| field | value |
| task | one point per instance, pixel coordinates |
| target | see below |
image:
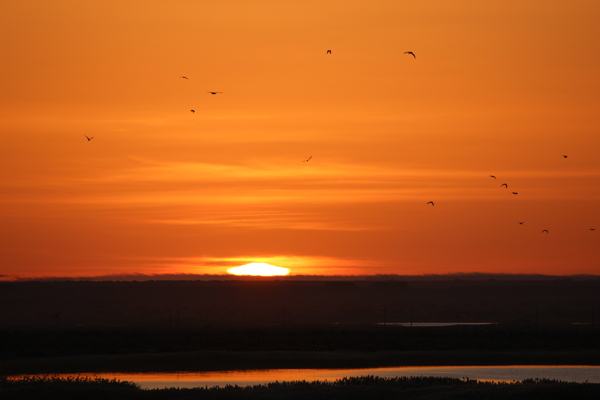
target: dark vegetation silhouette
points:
(197, 304)
(72, 326)
(154, 325)
(344, 389)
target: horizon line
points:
(475, 276)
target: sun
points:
(259, 269)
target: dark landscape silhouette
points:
(72, 326)
(152, 304)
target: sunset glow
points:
(326, 158)
(259, 269)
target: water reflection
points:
(257, 377)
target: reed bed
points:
(346, 388)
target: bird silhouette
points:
(193, 111)
(214, 92)
(515, 193)
(328, 51)
(592, 229)
(431, 202)
(308, 159)
(411, 53)
(505, 185)
(565, 156)
(88, 138)
(184, 77)
(545, 230)
(521, 223)
(492, 176)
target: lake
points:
(579, 373)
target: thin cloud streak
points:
(299, 265)
(188, 183)
(279, 221)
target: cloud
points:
(277, 219)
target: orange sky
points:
(502, 88)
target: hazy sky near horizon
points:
(503, 88)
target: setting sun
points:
(259, 269)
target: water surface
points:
(568, 373)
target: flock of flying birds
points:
(505, 185)
(214, 93)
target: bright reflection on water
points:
(258, 377)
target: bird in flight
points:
(521, 223)
(184, 77)
(193, 111)
(592, 229)
(545, 230)
(431, 202)
(308, 159)
(505, 185)
(565, 156)
(214, 92)
(88, 138)
(328, 51)
(515, 193)
(411, 53)
(492, 176)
